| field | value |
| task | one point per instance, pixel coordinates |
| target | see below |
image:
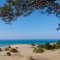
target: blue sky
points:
(34, 26)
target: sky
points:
(34, 26)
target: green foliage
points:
(38, 50)
(54, 46)
(40, 46)
(48, 46)
(0, 49)
(58, 44)
(14, 50)
(8, 53)
(17, 8)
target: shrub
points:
(0, 49)
(54, 46)
(58, 44)
(48, 46)
(38, 50)
(8, 53)
(14, 50)
(6, 49)
(40, 46)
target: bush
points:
(58, 44)
(40, 46)
(6, 49)
(14, 50)
(0, 49)
(8, 53)
(54, 46)
(48, 46)
(38, 50)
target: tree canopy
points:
(15, 8)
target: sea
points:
(26, 41)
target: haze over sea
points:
(26, 41)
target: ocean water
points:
(35, 41)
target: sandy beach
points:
(26, 53)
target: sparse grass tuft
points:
(38, 50)
(6, 49)
(8, 54)
(14, 50)
(0, 49)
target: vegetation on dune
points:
(10, 49)
(7, 48)
(40, 46)
(0, 49)
(13, 50)
(58, 44)
(38, 50)
(47, 46)
(8, 54)
(54, 46)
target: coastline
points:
(15, 42)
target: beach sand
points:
(26, 53)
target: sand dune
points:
(26, 53)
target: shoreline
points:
(4, 45)
(29, 42)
